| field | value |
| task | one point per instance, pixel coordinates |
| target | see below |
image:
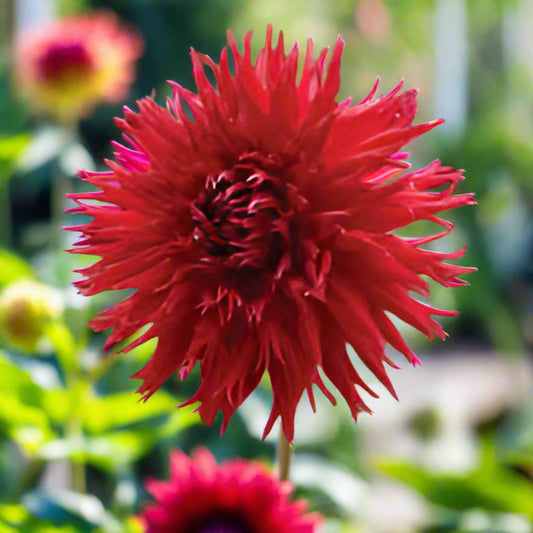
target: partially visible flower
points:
(66, 67)
(26, 308)
(372, 19)
(255, 221)
(236, 497)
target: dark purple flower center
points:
(241, 218)
(62, 60)
(221, 524)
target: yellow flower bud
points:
(26, 307)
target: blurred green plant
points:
(492, 486)
(54, 408)
(11, 148)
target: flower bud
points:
(26, 308)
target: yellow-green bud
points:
(26, 308)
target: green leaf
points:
(121, 409)
(21, 397)
(12, 515)
(109, 452)
(15, 518)
(179, 420)
(63, 344)
(112, 450)
(56, 404)
(22, 416)
(491, 486)
(10, 150)
(13, 268)
(514, 439)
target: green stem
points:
(60, 188)
(28, 478)
(79, 478)
(5, 213)
(77, 469)
(66, 352)
(284, 456)
(74, 432)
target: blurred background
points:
(456, 454)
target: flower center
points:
(222, 524)
(242, 218)
(62, 61)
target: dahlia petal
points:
(339, 369)
(383, 124)
(411, 311)
(172, 348)
(362, 334)
(222, 387)
(323, 389)
(293, 368)
(392, 335)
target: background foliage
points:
(456, 454)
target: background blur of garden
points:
(456, 453)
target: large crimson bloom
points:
(255, 222)
(236, 497)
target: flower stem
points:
(74, 433)
(284, 456)
(78, 477)
(27, 479)
(5, 213)
(60, 188)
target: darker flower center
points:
(63, 60)
(221, 524)
(241, 218)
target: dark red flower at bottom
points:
(236, 497)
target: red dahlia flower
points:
(255, 222)
(237, 497)
(66, 67)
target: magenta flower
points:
(236, 497)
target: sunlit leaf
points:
(111, 449)
(109, 452)
(15, 518)
(6, 528)
(21, 397)
(22, 416)
(56, 404)
(117, 410)
(13, 514)
(63, 344)
(179, 420)
(10, 150)
(13, 268)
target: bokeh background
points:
(456, 454)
